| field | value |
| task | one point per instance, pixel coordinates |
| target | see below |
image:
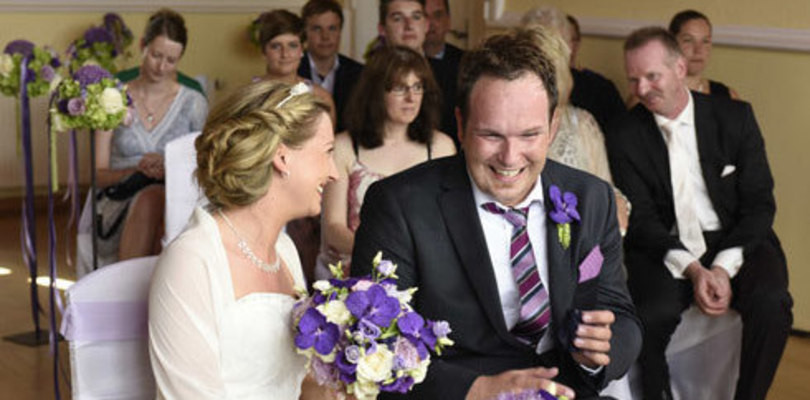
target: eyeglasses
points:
(400, 90)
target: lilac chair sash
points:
(105, 321)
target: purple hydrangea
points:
(47, 73)
(373, 305)
(97, 35)
(75, 106)
(565, 206)
(324, 373)
(90, 74)
(315, 331)
(20, 46)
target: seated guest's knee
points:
(772, 308)
(659, 318)
(149, 202)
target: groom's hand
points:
(593, 338)
(516, 381)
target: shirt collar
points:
(314, 69)
(481, 198)
(440, 54)
(686, 117)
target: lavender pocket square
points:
(591, 265)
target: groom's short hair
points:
(506, 56)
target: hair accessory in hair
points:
(298, 89)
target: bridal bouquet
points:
(41, 69)
(90, 99)
(362, 336)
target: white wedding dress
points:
(206, 344)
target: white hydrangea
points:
(6, 65)
(112, 101)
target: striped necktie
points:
(535, 310)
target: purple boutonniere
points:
(565, 211)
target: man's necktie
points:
(689, 230)
(535, 310)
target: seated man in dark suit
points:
(592, 91)
(322, 64)
(529, 279)
(695, 169)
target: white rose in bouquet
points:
(375, 367)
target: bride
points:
(222, 293)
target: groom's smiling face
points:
(507, 136)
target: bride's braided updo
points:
(236, 148)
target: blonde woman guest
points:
(129, 160)
(579, 143)
(222, 294)
(391, 118)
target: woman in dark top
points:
(693, 31)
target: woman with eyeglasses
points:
(391, 121)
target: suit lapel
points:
(708, 148)
(561, 269)
(458, 208)
(656, 148)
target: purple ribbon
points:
(105, 321)
(28, 233)
(53, 299)
(72, 192)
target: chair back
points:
(182, 192)
(106, 323)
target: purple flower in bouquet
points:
(75, 106)
(346, 363)
(30, 75)
(386, 268)
(97, 35)
(401, 385)
(121, 33)
(440, 328)
(368, 330)
(47, 73)
(406, 355)
(20, 46)
(527, 395)
(90, 74)
(315, 331)
(373, 305)
(324, 373)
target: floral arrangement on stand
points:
(101, 45)
(361, 335)
(41, 74)
(90, 99)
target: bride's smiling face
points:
(312, 167)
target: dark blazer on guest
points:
(346, 76)
(734, 165)
(425, 221)
(445, 71)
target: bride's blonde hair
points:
(236, 148)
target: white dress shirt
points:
(498, 235)
(328, 81)
(677, 260)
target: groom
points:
(483, 237)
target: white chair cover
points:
(182, 192)
(106, 324)
(703, 357)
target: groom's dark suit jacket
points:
(729, 140)
(425, 221)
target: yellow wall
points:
(217, 49)
(773, 81)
